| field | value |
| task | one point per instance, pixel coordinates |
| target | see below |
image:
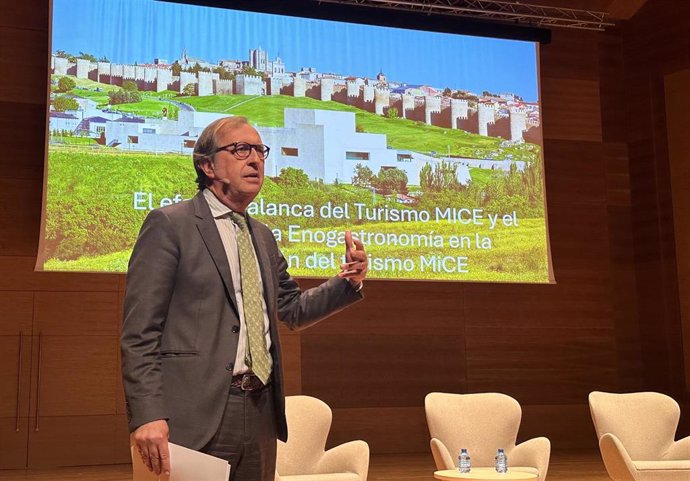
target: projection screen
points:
(426, 145)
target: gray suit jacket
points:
(179, 336)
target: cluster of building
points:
(324, 144)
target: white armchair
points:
(482, 423)
(304, 458)
(636, 436)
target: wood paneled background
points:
(612, 321)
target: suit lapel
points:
(209, 233)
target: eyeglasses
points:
(243, 150)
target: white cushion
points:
(672, 465)
(322, 477)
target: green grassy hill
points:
(151, 105)
(401, 133)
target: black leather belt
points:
(247, 382)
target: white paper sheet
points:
(185, 465)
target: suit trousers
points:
(247, 435)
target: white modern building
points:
(322, 143)
(326, 145)
(159, 135)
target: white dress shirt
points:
(227, 230)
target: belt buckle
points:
(246, 384)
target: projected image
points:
(426, 145)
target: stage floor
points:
(565, 466)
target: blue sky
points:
(128, 31)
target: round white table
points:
(483, 473)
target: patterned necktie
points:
(257, 354)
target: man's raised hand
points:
(356, 262)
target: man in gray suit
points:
(206, 287)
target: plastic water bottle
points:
(501, 462)
(464, 462)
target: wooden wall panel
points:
(624, 8)
(655, 42)
(120, 403)
(541, 365)
(76, 389)
(385, 429)
(574, 172)
(409, 301)
(568, 426)
(677, 86)
(22, 277)
(291, 344)
(612, 94)
(571, 109)
(571, 54)
(29, 14)
(622, 262)
(120, 407)
(77, 441)
(557, 306)
(20, 213)
(624, 301)
(392, 370)
(579, 243)
(76, 313)
(14, 376)
(13, 442)
(22, 136)
(17, 310)
(617, 174)
(121, 438)
(23, 63)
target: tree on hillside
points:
(196, 68)
(363, 177)
(294, 178)
(104, 59)
(68, 56)
(446, 176)
(64, 102)
(65, 84)
(122, 96)
(87, 56)
(176, 68)
(130, 86)
(443, 176)
(223, 74)
(426, 177)
(189, 90)
(533, 178)
(391, 180)
(392, 113)
(459, 94)
(249, 70)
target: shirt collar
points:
(218, 209)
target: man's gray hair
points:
(206, 145)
